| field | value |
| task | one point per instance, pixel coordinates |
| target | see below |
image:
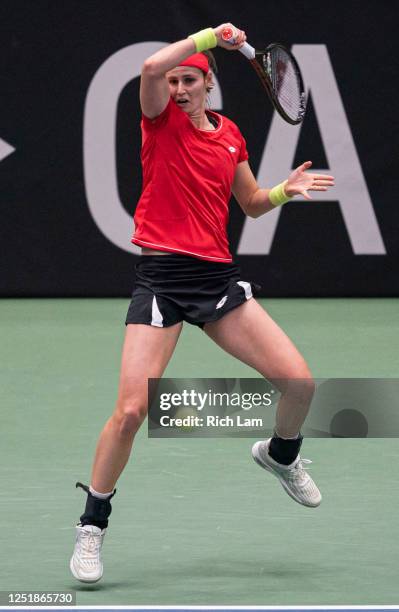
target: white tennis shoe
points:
(294, 478)
(86, 564)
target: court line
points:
(225, 608)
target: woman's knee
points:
(298, 382)
(300, 389)
(129, 415)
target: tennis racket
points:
(280, 75)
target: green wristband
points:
(204, 39)
(277, 195)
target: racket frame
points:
(258, 64)
(254, 58)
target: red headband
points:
(198, 60)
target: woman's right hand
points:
(238, 35)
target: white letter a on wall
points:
(351, 190)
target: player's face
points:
(187, 88)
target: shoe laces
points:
(89, 545)
(298, 472)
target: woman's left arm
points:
(255, 201)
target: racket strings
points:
(285, 82)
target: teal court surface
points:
(194, 521)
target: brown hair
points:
(212, 65)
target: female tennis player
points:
(192, 160)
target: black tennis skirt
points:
(174, 288)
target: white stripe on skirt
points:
(247, 288)
(157, 318)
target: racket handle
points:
(246, 49)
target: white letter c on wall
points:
(99, 140)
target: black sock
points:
(284, 451)
(97, 510)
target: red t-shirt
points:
(187, 179)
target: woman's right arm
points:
(154, 87)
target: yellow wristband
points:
(277, 195)
(204, 39)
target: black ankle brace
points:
(284, 451)
(97, 510)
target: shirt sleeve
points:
(243, 156)
(152, 124)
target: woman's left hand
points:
(300, 182)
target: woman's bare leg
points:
(251, 335)
(146, 353)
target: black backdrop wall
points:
(70, 142)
